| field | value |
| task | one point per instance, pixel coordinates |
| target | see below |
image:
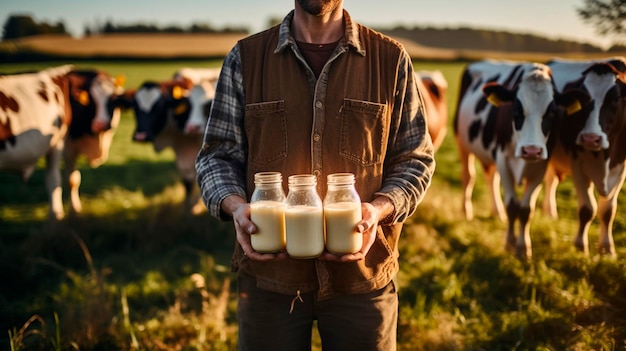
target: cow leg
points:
(512, 211)
(74, 181)
(607, 208)
(74, 178)
(468, 179)
(526, 212)
(512, 207)
(551, 182)
(53, 181)
(587, 208)
(492, 178)
(185, 163)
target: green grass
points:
(135, 271)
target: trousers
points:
(270, 321)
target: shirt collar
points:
(351, 36)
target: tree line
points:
(20, 26)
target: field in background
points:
(136, 272)
(200, 46)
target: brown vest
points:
(342, 127)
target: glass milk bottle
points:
(267, 212)
(342, 212)
(304, 218)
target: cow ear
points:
(572, 100)
(83, 98)
(496, 94)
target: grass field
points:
(136, 272)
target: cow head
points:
(200, 100)
(606, 85)
(157, 104)
(530, 104)
(93, 98)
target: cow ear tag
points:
(574, 107)
(83, 98)
(494, 100)
(177, 92)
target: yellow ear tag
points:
(83, 98)
(493, 99)
(574, 107)
(120, 80)
(177, 92)
(180, 109)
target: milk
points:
(269, 218)
(305, 231)
(341, 235)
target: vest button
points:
(316, 137)
(319, 104)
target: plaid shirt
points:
(221, 163)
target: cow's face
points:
(156, 105)
(200, 99)
(532, 110)
(605, 84)
(150, 113)
(103, 90)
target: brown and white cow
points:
(434, 87)
(504, 118)
(591, 145)
(162, 110)
(57, 112)
(96, 100)
(35, 116)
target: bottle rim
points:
(302, 179)
(340, 178)
(268, 177)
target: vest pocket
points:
(364, 129)
(265, 124)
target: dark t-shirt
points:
(316, 55)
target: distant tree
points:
(18, 26)
(201, 28)
(607, 16)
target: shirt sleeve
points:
(220, 163)
(409, 163)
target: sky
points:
(555, 19)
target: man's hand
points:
(367, 227)
(239, 209)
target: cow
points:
(434, 87)
(59, 113)
(35, 117)
(96, 100)
(504, 117)
(162, 112)
(591, 146)
(197, 75)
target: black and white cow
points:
(162, 112)
(504, 118)
(591, 145)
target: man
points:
(318, 94)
